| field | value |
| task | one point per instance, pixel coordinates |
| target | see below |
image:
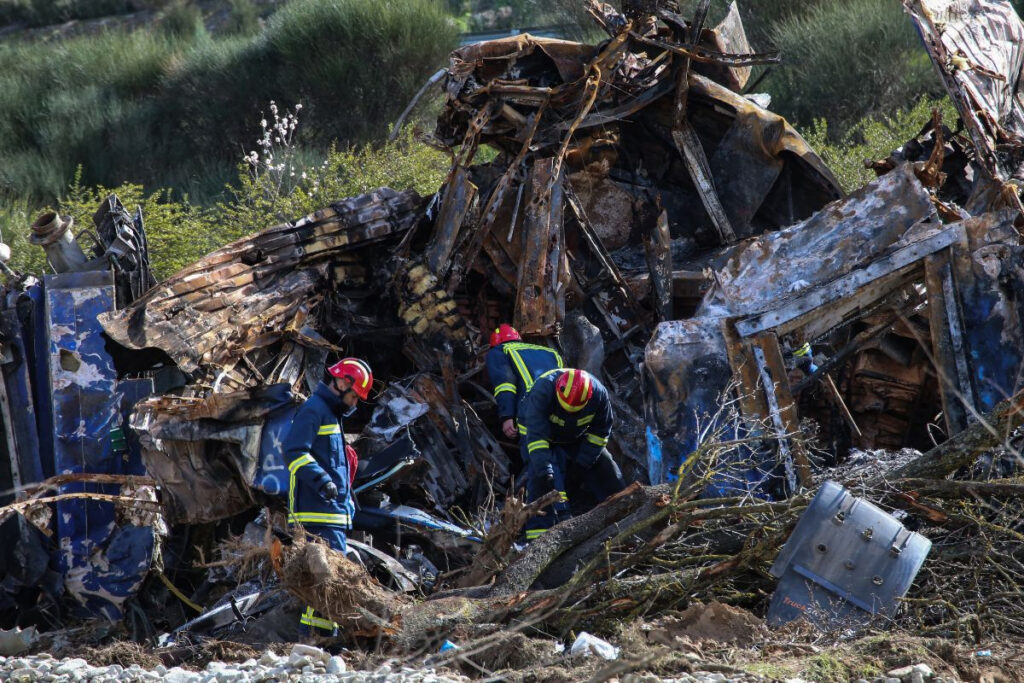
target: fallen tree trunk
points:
(521, 574)
(993, 430)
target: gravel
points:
(308, 664)
(304, 663)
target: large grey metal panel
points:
(846, 559)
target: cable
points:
(178, 594)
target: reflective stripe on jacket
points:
(543, 421)
(513, 367)
(314, 450)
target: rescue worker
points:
(567, 420)
(319, 464)
(513, 366)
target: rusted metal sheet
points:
(459, 194)
(700, 171)
(246, 294)
(540, 304)
(658, 245)
(781, 409)
(978, 49)
(773, 268)
(948, 342)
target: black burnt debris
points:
(759, 331)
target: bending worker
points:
(319, 484)
(567, 417)
(513, 366)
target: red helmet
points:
(357, 371)
(574, 389)
(504, 333)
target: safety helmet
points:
(574, 389)
(358, 371)
(504, 333)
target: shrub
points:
(278, 181)
(166, 108)
(73, 101)
(847, 60)
(244, 18)
(183, 20)
(874, 137)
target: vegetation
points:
(44, 12)
(873, 138)
(300, 182)
(847, 60)
(168, 107)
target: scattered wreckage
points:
(668, 232)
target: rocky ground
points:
(859, 661)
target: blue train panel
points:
(18, 406)
(103, 565)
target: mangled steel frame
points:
(669, 232)
(886, 250)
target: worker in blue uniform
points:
(567, 420)
(513, 366)
(319, 491)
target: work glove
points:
(545, 480)
(329, 491)
(588, 460)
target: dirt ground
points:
(710, 638)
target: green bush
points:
(844, 61)
(171, 108)
(83, 100)
(244, 18)
(307, 182)
(180, 233)
(183, 20)
(873, 138)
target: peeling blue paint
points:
(103, 564)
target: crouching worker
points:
(513, 366)
(319, 482)
(567, 417)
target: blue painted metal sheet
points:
(25, 464)
(103, 565)
(989, 284)
(35, 332)
(272, 474)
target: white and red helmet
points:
(357, 371)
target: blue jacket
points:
(315, 452)
(513, 367)
(544, 422)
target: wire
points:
(178, 594)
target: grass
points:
(825, 668)
(44, 12)
(844, 61)
(173, 106)
(180, 232)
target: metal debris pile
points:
(645, 214)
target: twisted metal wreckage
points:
(668, 231)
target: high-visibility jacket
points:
(544, 422)
(513, 367)
(315, 452)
